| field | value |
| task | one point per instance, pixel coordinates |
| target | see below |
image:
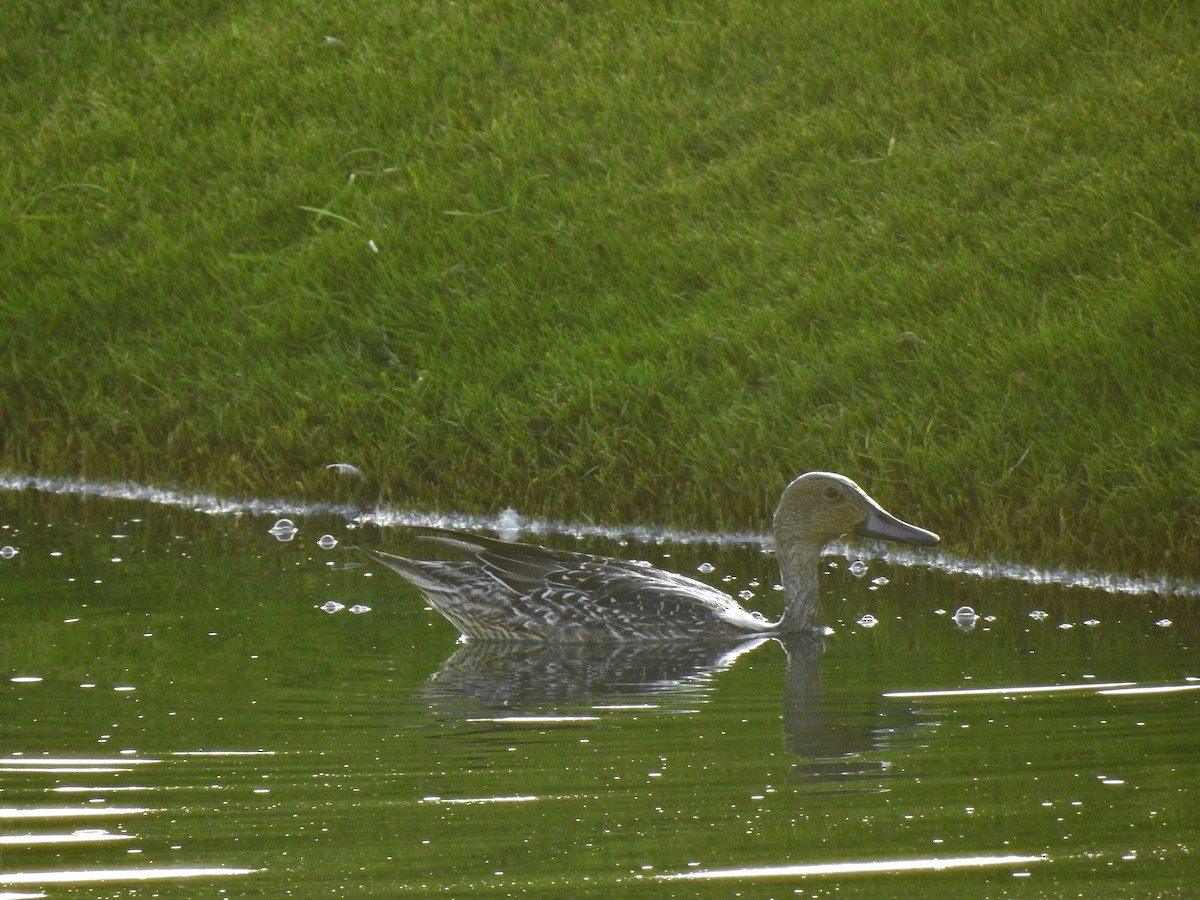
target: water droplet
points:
(703, 567)
(879, 582)
(1164, 623)
(509, 523)
(327, 542)
(858, 568)
(332, 606)
(358, 609)
(1065, 626)
(745, 595)
(283, 530)
(1039, 614)
(867, 620)
(1091, 623)
(8, 552)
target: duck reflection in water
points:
(498, 680)
(544, 626)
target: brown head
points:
(819, 507)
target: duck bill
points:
(883, 525)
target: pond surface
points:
(192, 707)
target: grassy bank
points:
(628, 261)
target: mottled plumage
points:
(510, 591)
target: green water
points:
(179, 717)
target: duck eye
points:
(832, 493)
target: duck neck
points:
(798, 563)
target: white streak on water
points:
(391, 518)
(935, 864)
(1153, 689)
(535, 720)
(96, 876)
(74, 837)
(520, 798)
(73, 761)
(71, 812)
(1102, 687)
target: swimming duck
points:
(510, 591)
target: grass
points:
(624, 261)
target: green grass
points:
(635, 261)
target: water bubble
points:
(704, 567)
(867, 620)
(359, 608)
(879, 582)
(283, 530)
(8, 552)
(745, 595)
(1091, 623)
(1039, 614)
(858, 568)
(327, 542)
(965, 617)
(1065, 626)
(332, 606)
(1164, 623)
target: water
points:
(190, 706)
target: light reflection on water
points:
(177, 710)
(931, 864)
(510, 526)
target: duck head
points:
(819, 507)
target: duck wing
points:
(528, 569)
(568, 590)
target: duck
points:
(508, 591)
